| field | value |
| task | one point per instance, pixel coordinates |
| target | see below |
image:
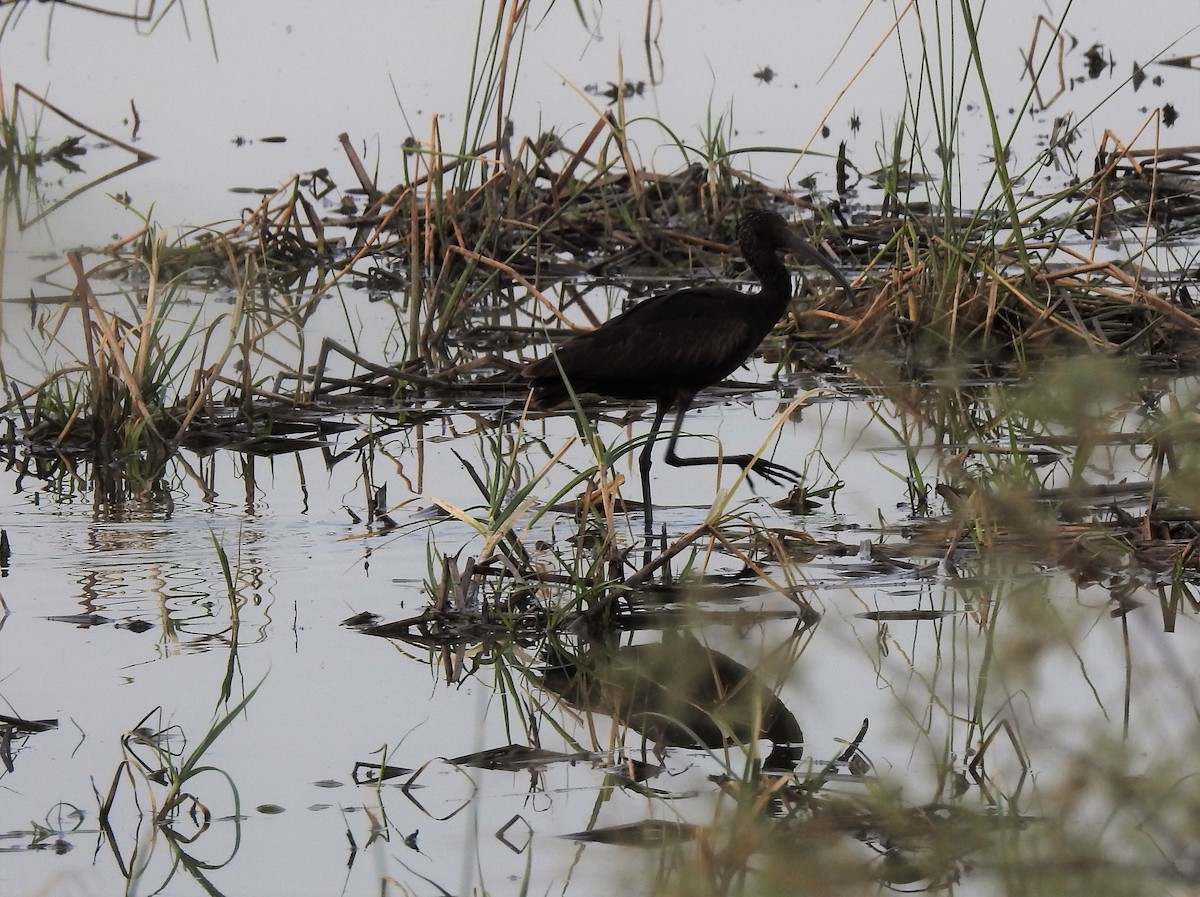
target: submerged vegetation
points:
(1028, 354)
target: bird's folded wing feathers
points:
(681, 349)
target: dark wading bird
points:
(675, 344)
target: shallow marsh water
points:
(1058, 671)
(331, 697)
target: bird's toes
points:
(774, 473)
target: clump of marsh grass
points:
(119, 401)
(142, 381)
(995, 276)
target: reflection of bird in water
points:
(677, 693)
(675, 344)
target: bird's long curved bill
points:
(806, 250)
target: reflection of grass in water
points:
(1031, 435)
(25, 157)
(159, 764)
(982, 699)
(146, 17)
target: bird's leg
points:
(645, 459)
(768, 470)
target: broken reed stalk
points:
(360, 171)
(563, 180)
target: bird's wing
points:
(691, 337)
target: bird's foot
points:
(773, 473)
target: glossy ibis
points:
(675, 344)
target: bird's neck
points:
(776, 283)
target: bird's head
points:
(764, 229)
